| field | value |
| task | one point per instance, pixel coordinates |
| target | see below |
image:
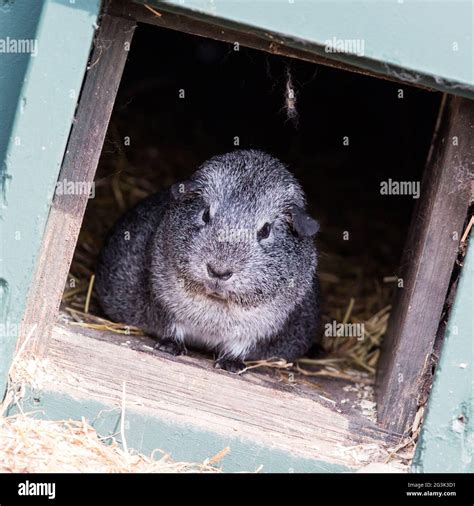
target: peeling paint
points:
(5, 180)
(4, 298)
(457, 425)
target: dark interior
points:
(156, 138)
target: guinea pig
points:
(225, 262)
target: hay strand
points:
(89, 293)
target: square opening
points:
(184, 99)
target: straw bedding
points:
(31, 445)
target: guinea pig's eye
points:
(206, 215)
(264, 232)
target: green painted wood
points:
(423, 41)
(184, 443)
(446, 442)
(38, 96)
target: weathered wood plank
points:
(427, 264)
(186, 391)
(79, 166)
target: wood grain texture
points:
(427, 264)
(79, 166)
(187, 391)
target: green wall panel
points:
(38, 96)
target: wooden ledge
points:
(188, 391)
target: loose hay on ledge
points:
(32, 445)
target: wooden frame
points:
(440, 213)
(80, 162)
(404, 371)
(247, 413)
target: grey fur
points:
(153, 270)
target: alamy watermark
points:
(349, 46)
(15, 46)
(236, 235)
(391, 187)
(33, 488)
(334, 329)
(16, 329)
(65, 187)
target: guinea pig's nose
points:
(214, 273)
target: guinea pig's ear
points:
(302, 222)
(184, 189)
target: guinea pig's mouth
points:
(211, 289)
(214, 291)
(216, 296)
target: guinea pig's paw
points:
(170, 346)
(230, 365)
